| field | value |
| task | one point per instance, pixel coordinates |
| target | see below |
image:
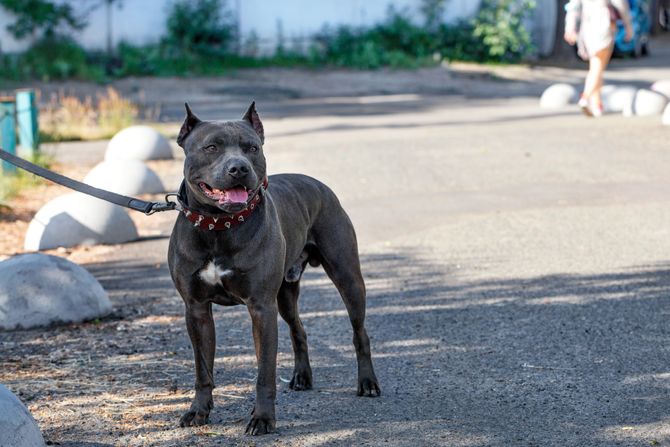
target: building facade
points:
(143, 21)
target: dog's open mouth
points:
(237, 194)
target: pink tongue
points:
(235, 195)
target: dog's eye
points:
(211, 148)
(253, 148)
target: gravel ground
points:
(517, 264)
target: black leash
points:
(147, 208)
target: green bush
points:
(40, 18)
(200, 27)
(55, 57)
(396, 43)
(158, 60)
(201, 40)
(132, 60)
(458, 42)
(499, 25)
(496, 34)
(52, 55)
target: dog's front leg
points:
(200, 325)
(264, 322)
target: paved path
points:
(517, 262)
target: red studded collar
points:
(220, 222)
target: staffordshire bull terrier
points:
(245, 238)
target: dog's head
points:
(224, 160)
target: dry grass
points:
(11, 184)
(67, 117)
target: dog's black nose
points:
(238, 169)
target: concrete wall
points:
(143, 21)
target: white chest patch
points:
(212, 274)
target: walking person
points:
(591, 24)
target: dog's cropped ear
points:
(189, 124)
(252, 118)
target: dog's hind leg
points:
(200, 325)
(338, 252)
(288, 309)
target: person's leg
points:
(602, 58)
(591, 101)
(589, 83)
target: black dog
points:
(244, 238)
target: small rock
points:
(40, 290)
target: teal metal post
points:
(26, 117)
(7, 131)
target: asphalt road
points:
(517, 267)
(518, 272)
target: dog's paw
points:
(198, 414)
(369, 387)
(260, 426)
(302, 380)
(194, 418)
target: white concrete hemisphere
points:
(138, 143)
(39, 290)
(618, 99)
(77, 219)
(558, 95)
(662, 86)
(17, 426)
(127, 177)
(649, 103)
(605, 92)
(666, 116)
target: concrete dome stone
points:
(77, 219)
(39, 290)
(138, 143)
(127, 177)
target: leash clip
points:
(168, 205)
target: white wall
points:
(307, 16)
(6, 42)
(136, 21)
(143, 21)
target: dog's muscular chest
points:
(214, 275)
(223, 284)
